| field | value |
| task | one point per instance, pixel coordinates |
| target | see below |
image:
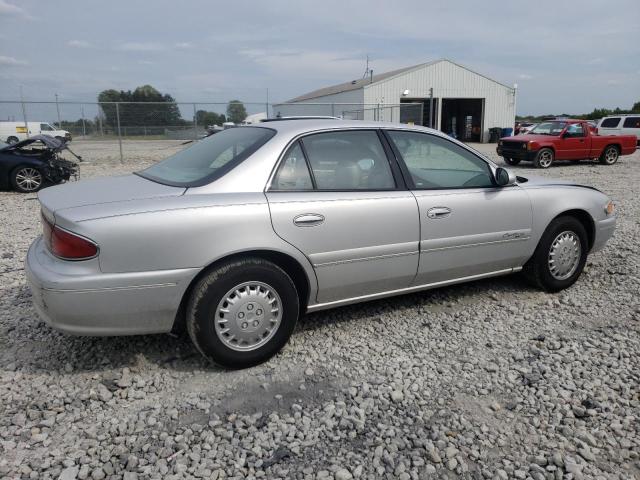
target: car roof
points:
(296, 127)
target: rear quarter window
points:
(631, 122)
(610, 122)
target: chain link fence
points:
(123, 125)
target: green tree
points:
(236, 112)
(635, 108)
(152, 108)
(206, 119)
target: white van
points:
(620, 125)
(12, 132)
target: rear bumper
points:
(76, 300)
(604, 231)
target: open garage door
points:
(462, 118)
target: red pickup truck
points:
(564, 140)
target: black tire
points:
(537, 269)
(19, 177)
(511, 161)
(610, 155)
(544, 158)
(208, 294)
(12, 140)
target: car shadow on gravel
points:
(29, 345)
(434, 300)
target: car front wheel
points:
(544, 158)
(242, 312)
(27, 179)
(560, 256)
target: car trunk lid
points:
(101, 191)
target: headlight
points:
(610, 208)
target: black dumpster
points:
(494, 134)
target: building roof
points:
(363, 82)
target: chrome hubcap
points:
(248, 316)
(564, 255)
(611, 156)
(29, 178)
(545, 159)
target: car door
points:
(338, 198)
(469, 226)
(574, 144)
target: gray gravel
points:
(487, 380)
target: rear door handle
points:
(308, 220)
(438, 212)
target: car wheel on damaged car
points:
(244, 231)
(27, 179)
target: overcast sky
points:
(564, 56)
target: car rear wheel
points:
(512, 161)
(12, 140)
(242, 312)
(610, 155)
(27, 179)
(560, 256)
(544, 158)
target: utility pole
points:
(58, 110)
(431, 107)
(84, 126)
(24, 112)
(267, 104)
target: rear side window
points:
(351, 160)
(610, 122)
(208, 159)
(631, 122)
(293, 172)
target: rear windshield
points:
(208, 159)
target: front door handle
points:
(308, 220)
(438, 212)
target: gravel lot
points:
(487, 380)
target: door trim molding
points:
(365, 259)
(401, 291)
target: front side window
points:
(45, 127)
(631, 122)
(610, 122)
(293, 173)
(575, 130)
(348, 160)
(208, 159)
(435, 162)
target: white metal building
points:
(464, 102)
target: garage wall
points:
(449, 80)
(352, 99)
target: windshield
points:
(209, 159)
(548, 128)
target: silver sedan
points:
(243, 232)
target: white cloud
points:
(595, 61)
(10, 61)
(184, 45)
(10, 9)
(141, 47)
(524, 76)
(146, 62)
(78, 44)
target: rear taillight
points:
(67, 245)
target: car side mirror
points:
(504, 177)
